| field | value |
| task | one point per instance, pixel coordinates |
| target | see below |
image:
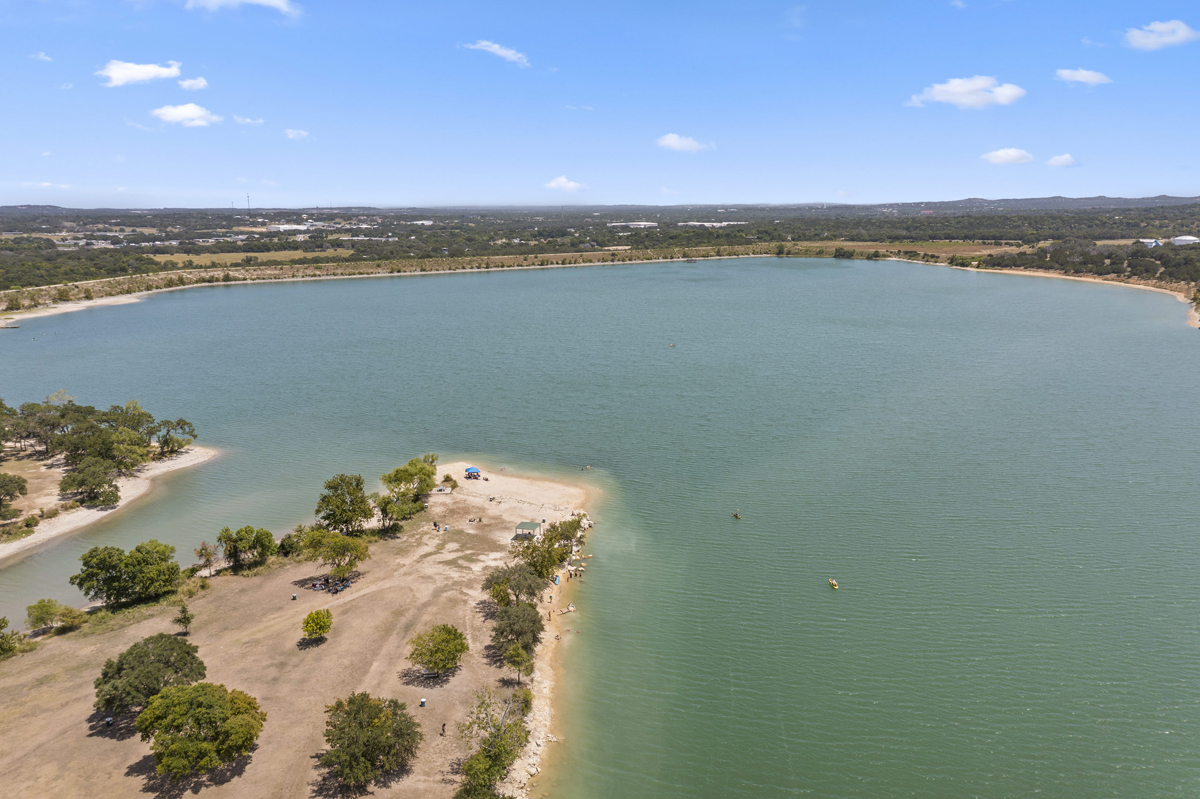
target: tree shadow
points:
(493, 656)
(328, 786)
(487, 608)
(415, 676)
(304, 644)
(165, 787)
(123, 727)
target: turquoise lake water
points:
(1000, 472)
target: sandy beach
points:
(132, 488)
(1193, 317)
(248, 631)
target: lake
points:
(998, 470)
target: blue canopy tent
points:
(472, 473)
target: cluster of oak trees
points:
(98, 446)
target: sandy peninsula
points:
(248, 631)
(132, 489)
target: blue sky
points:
(310, 102)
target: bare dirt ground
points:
(248, 631)
(41, 476)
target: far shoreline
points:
(1193, 315)
(132, 488)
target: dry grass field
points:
(248, 632)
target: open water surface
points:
(1000, 472)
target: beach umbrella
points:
(472, 470)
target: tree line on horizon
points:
(32, 261)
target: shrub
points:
(72, 618)
(524, 699)
(317, 624)
(43, 613)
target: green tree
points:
(95, 479)
(9, 641)
(43, 613)
(414, 479)
(206, 553)
(317, 624)
(246, 546)
(515, 583)
(173, 436)
(11, 486)
(111, 575)
(368, 737)
(144, 669)
(103, 575)
(340, 553)
(439, 649)
(497, 729)
(185, 618)
(196, 728)
(553, 549)
(519, 624)
(519, 661)
(344, 506)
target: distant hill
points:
(971, 205)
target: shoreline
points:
(132, 488)
(543, 721)
(1193, 317)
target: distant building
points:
(1180, 241)
(283, 228)
(1150, 242)
(633, 224)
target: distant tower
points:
(247, 203)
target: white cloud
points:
(1009, 155)
(1090, 77)
(47, 185)
(67, 86)
(1066, 159)
(296, 135)
(246, 120)
(977, 92)
(795, 16)
(683, 144)
(507, 53)
(958, 3)
(189, 115)
(192, 84)
(563, 184)
(282, 6)
(41, 57)
(120, 73)
(46, 153)
(1158, 35)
